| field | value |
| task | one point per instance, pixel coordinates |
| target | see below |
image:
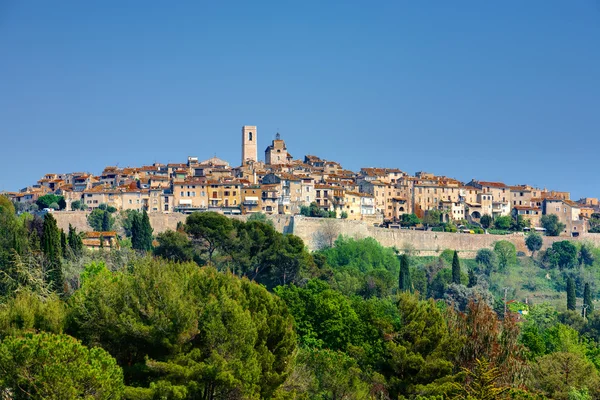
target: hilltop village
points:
(282, 184)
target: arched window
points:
(250, 136)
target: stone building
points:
(277, 153)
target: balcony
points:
(284, 200)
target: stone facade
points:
(249, 140)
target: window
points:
(181, 194)
(250, 136)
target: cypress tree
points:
(51, 248)
(587, 300)
(105, 221)
(136, 231)
(404, 276)
(472, 278)
(63, 243)
(571, 297)
(146, 229)
(75, 242)
(455, 269)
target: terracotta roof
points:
(526, 208)
(493, 184)
(90, 235)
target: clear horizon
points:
(497, 92)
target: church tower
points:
(249, 139)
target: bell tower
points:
(249, 139)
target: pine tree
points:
(472, 278)
(404, 276)
(587, 300)
(571, 297)
(51, 248)
(455, 269)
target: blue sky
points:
(493, 90)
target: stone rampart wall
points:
(318, 231)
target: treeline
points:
(225, 309)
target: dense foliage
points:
(225, 309)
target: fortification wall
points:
(316, 231)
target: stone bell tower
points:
(249, 139)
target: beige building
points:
(161, 201)
(251, 199)
(226, 195)
(569, 213)
(190, 195)
(359, 206)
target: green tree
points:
(562, 254)
(106, 225)
(455, 268)
(100, 219)
(481, 383)
(486, 221)
(556, 374)
(588, 303)
(472, 278)
(506, 253)
(404, 276)
(174, 246)
(503, 222)
(48, 366)
(78, 205)
(75, 241)
(64, 244)
(552, 224)
(571, 297)
(198, 331)
(420, 353)
(486, 260)
(432, 218)
(213, 231)
(333, 374)
(586, 255)
(47, 200)
(141, 232)
(534, 243)
(409, 220)
(52, 250)
(344, 215)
